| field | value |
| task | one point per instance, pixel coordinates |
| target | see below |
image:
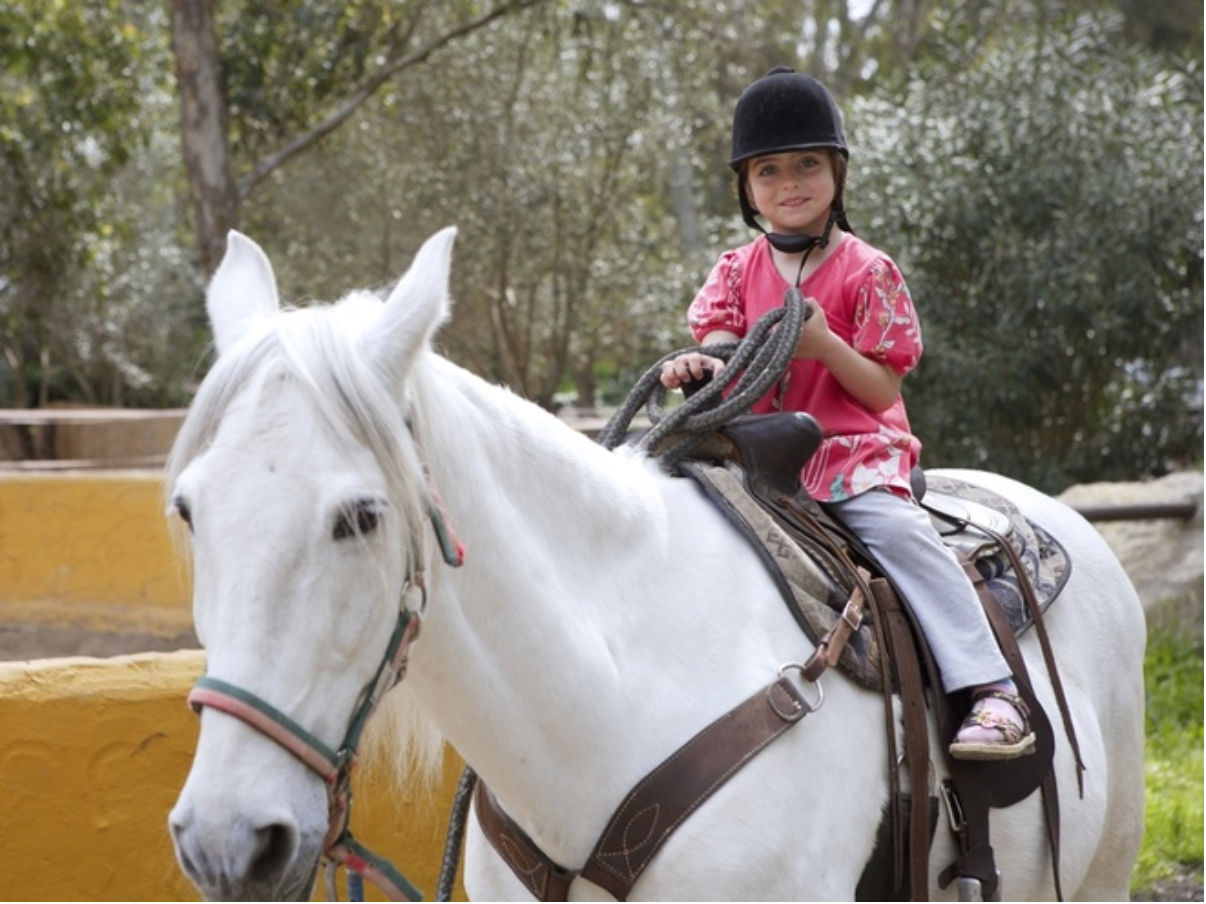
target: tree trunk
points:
(584, 382)
(203, 125)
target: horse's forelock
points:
(318, 348)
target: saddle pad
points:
(815, 585)
(1044, 560)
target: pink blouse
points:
(867, 304)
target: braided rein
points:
(753, 366)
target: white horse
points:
(604, 613)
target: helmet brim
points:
(735, 162)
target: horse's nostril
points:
(231, 858)
(275, 849)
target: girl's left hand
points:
(815, 336)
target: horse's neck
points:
(550, 523)
(583, 626)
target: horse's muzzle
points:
(241, 861)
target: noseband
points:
(335, 766)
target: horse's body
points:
(604, 614)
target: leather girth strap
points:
(902, 651)
(656, 806)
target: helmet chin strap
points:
(803, 244)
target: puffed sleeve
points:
(886, 325)
(718, 306)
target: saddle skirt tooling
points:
(815, 586)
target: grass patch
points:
(1172, 842)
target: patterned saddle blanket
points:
(816, 585)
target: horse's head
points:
(299, 479)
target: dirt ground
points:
(24, 641)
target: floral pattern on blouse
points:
(866, 303)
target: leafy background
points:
(1036, 167)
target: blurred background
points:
(1034, 166)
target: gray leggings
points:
(902, 539)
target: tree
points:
(581, 146)
(1041, 189)
(289, 74)
(204, 120)
(552, 167)
(72, 81)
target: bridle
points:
(335, 766)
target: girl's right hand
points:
(689, 367)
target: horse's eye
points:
(357, 519)
(183, 511)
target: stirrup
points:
(1014, 741)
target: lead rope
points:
(753, 366)
(456, 835)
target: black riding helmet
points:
(787, 110)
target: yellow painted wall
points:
(90, 548)
(93, 752)
(92, 755)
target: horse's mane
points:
(317, 348)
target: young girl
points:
(790, 156)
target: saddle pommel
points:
(773, 449)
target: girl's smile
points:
(793, 190)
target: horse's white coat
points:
(604, 614)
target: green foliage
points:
(1173, 26)
(77, 112)
(1021, 173)
(1174, 821)
(282, 60)
(1042, 191)
(553, 170)
(66, 107)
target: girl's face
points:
(793, 191)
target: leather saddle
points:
(760, 458)
(751, 470)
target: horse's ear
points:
(242, 291)
(415, 309)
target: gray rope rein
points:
(455, 836)
(752, 366)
